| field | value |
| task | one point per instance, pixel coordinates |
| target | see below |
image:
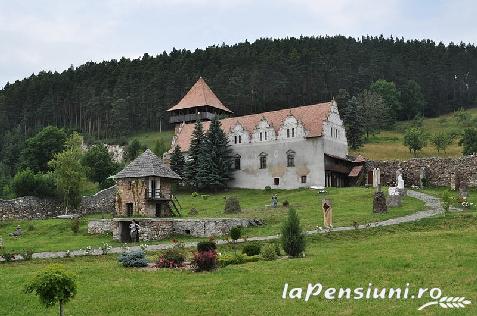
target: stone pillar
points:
(379, 203)
(422, 177)
(377, 179)
(453, 181)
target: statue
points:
(400, 182)
(274, 201)
(327, 213)
(134, 231)
(17, 233)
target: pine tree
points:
(206, 169)
(354, 124)
(194, 150)
(293, 239)
(220, 156)
(178, 161)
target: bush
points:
(251, 249)
(30, 227)
(8, 256)
(205, 260)
(173, 257)
(232, 205)
(27, 254)
(75, 225)
(133, 259)
(286, 203)
(268, 188)
(293, 239)
(269, 252)
(26, 183)
(195, 194)
(226, 260)
(206, 246)
(235, 233)
(193, 211)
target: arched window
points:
(237, 162)
(263, 160)
(290, 158)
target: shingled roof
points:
(146, 165)
(199, 95)
(311, 116)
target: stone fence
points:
(160, 228)
(30, 207)
(438, 171)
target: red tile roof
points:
(199, 95)
(355, 171)
(311, 116)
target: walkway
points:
(433, 207)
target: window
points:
(293, 132)
(240, 139)
(290, 158)
(261, 136)
(263, 160)
(237, 162)
(303, 179)
(265, 135)
(276, 181)
(235, 137)
(130, 185)
(288, 133)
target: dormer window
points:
(265, 135)
(235, 139)
(290, 158)
(293, 132)
(240, 139)
(288, 133)
(261, 136)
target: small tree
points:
(195, 148)
(415, 139)
(99, 165)
(134, 149)
(53, 285)
(69, 172)
(354, 123)
(235, 234)
(292, 238)
(441, 141)
(469, 141)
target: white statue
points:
(400, 183)
(393, 191)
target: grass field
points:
(437, 252)
(350, 204)
(149, 139)
(388, 145)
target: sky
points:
(52, 35)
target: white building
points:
(290, 148)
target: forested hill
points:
(121, 96)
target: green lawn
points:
(388, 145)
(437, 252)
(438, 191)
(349, 205)
(150, 138)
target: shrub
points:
(193, 211)
(251, 249)
(232, 205)
(269, 252)
(26, 182)
(238, 258)
(205, 260)
(268, 188)
(195, 194)
(172, 258)
(75, 225)
(293, 239)
(8, 256)
(206, 246)
(205, 197)
(235, 233)
(286, 203)
(30, 227)
(133, 259)
(277, 248)
(27, 254)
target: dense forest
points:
(113, 98)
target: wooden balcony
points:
(179, 117)
(158, 195)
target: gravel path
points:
(433, 207)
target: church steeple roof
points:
(199, 95)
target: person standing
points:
(134, 231)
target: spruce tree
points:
(354, 124)
(194, 151)
(220, 163)
(206, 169)
(293, 239)
(178, 161)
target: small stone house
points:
(144, 188)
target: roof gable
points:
(200, 95)
(146, 165)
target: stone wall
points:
(30, 207)
(438, 170)
(161, 228)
